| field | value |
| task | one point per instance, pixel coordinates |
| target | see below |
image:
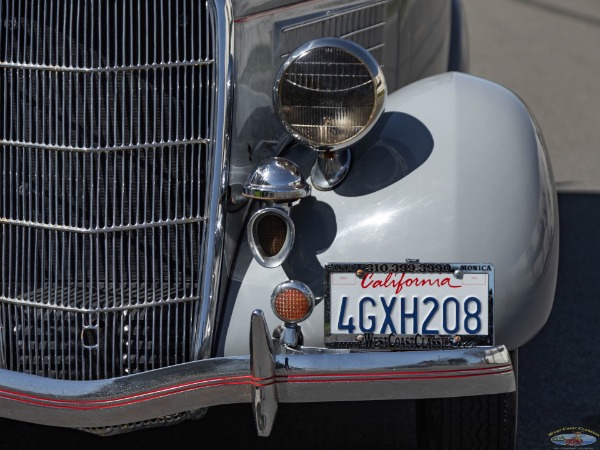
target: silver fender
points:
(455, 171)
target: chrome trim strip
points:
(336, 15)
(362, 23)
(375, 47)
(70, 148)
(372, 27)
(94, 70)
(218, 160)
(369, 49)
(314, 375)
(51, 307)
(2, 349)
(255, 9)
(88, 231)
(265, 400)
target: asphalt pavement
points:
(548, 52)
(559, 384)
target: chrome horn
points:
(276, 182)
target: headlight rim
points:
(362, 55)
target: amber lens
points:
(272, 231)
(292, 305)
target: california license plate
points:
(409, 306)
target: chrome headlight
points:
(329, 93)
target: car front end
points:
(207, 203)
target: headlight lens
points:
(329, 93)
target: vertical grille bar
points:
(104, 153)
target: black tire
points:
(486, 422)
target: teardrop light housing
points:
(271, 235)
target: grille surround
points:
(104, 264)
(363, 24)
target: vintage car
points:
(264, 201)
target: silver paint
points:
(485, 193)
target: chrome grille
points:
(104, 144)
(363, 24)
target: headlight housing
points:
(329, 93)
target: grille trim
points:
(70, 148)
(102, 230)
(46, 68)
(206, 308)
(150, 304)
(33, 317)
(363, 24)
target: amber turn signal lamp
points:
(292, 301)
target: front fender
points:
(455, 171)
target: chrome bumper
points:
(263, 378)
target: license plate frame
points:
(477, 278)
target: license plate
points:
(409, 306)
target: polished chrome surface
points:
(107, 204)
(256, 68)
(330, 169)
(306, 375)
(290, 335)
(2, 349)
(259, 253)
(218, 183)
(245, 8)
(262, 366)
(277, 179)
(329, 102)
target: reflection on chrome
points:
(495, 355)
